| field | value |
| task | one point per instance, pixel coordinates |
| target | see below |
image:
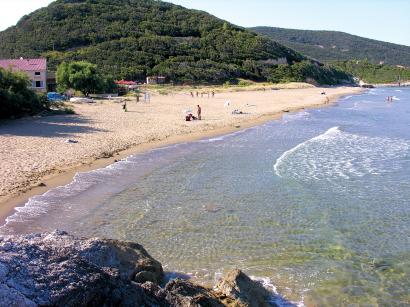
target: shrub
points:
(244, 83)
(16, 98)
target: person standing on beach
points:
(213, 94)
(199, 112)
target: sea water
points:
(316, 205)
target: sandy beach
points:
(35, 150)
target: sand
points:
(33, 150)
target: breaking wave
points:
(339, 154)
(276, 299)
(59, 197)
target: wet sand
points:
(34, 150)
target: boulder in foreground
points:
(56, 269)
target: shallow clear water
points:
(316, 203)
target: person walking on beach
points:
(199, 112)
(213, 94)
(192, 95)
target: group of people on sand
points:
(202, 94)
(189, 116)
(389, 98)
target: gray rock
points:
(3, 272)
(183, 293)
(11, 297)
(237, 285)
(60, 270)
(56, 269)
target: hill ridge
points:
(328, 46)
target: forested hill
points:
(133, 38)
(327, 46)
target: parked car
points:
(53, 96)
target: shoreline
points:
(382, 85)
(64, 175)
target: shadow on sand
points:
(48, 126)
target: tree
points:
(16, 98)
(81, 76)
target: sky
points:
(386, 20)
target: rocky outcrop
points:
(240, 287)
(182, 293)
(56, 269)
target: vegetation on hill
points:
(131, 39)
(310, 72)
(16, 99)
(327, 46)
(374, 73)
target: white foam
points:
(338, 154)
(41, 204)
(396, 98)
(295, 116)
(284, 156)
(276, 298)
(216, 139)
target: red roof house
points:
(24, 64)
(36, 69)
(124, 82)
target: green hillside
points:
(374, 73)
(327, 46)
(131, 39)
